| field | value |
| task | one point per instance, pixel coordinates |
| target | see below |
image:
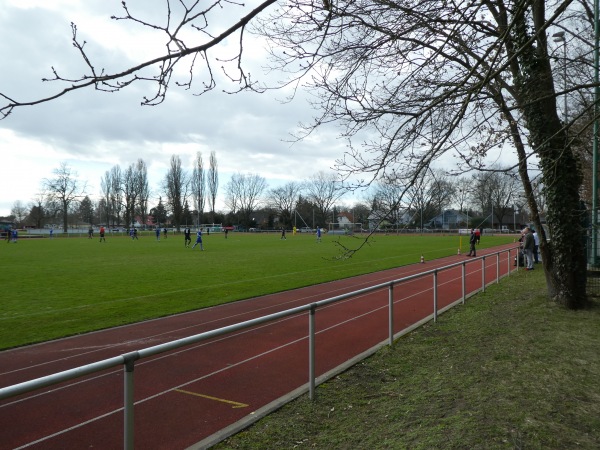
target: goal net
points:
(345, 228)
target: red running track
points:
(189, 396)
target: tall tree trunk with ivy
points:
(564, 255)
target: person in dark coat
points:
(528, 247)
(472, 242)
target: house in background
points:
(345, 218)
(449, 219)
(384, 220)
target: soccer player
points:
(318, 234)
(157, 233)
(198, 240)
(187, 236)
(102, 238)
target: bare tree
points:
(106, 187)
(462, 192)
(63, 191)
(441, 191)
(19, 211)
(505, 194)
(387, 201)
(176, 188)
(466, 77)
(283, 201)
(204, 20)
(199, 186)
(213, 182)
(116, 190)
(143, 190)
(129, 189)
(429, 196)
(135, 191)
(496, 193)
(323, 190)
(243, 195)
(37, 213)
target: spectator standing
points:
(536, 247)
(528, 246)
(472, 242)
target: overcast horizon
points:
(93, 131)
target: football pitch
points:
(59, 287)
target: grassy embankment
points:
(509, 370)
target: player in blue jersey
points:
(198, 240)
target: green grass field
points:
(58, 287)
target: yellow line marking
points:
(235, 404)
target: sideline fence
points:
(128, 360)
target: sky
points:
(93, 131)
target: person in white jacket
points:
(536, 247)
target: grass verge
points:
(507, 370)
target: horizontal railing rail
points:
(128, 360)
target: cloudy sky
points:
(92, 131)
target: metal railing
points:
(128, 360)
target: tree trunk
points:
(65, 207)
(563, 255)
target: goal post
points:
(345, 228)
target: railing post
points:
(483, 274)
(311, 350)
(435, 295)
(128, 400)
(391, 313)
(464, 282)
(508, 264)
(497, 268)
